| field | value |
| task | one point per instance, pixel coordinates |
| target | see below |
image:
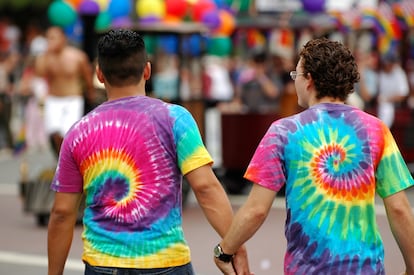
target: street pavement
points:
(23, 243)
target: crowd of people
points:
(257, 82)
(45, 83)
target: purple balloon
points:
(88, 7)
(313, 6)
(122, 22)
(148, 20)
(211, 19)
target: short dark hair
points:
(122, 57)
(332, 67)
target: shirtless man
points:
(70, 77)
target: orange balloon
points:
(171, 19)
(227, 23)
(74, 3)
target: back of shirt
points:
(128, 157)
(333, 158)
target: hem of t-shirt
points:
(65, 189)
(264, 184)
(136, 265)
(399, 190)
(200, 164)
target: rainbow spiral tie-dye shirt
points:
(127, 157)
(333, 158)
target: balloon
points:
(74, 32)
(169, 43)
(219, 46)
(103, 21)
(220, 3)
(103, 4)
(61, 14)
(176, 8)
(201, 7)
(227, 23)
(74, 3)
(192, 45)
(148, 20)
(150, 44)
(119, 8)
(211, 19)
(150, 8)
(313, 6)
(121, 22)
(239, 5)
(171, 19)
(88, 7)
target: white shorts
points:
(62, 112)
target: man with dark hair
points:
(333, 158)
(127, 158)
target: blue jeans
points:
(186, 269)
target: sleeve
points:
(392, 173)
(67, 178)
(266, 165)
(191, 152)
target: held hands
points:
(238, 266)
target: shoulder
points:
(75, 52)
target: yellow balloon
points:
(103, 4)
(153, 8)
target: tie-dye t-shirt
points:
(127, 157)
(332, 158)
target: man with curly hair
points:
(333, 158)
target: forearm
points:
(59, 240)
(220, 213)
(401, 221)
(244, 226)
(248, 218)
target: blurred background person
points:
(34, 89)
(257, 92)
(393, 88)
(366, 90)
(70, 79)
(9, 59)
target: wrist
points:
(221, 255)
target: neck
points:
(126, 91)
(326, 100)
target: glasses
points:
(294, 74)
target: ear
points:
(309, 82)
(99, 74)
(147, 71)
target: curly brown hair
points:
(332, 67)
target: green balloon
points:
(150, 44)
(239, 5)
(219, 46)
(61, 14)
(103, 21)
